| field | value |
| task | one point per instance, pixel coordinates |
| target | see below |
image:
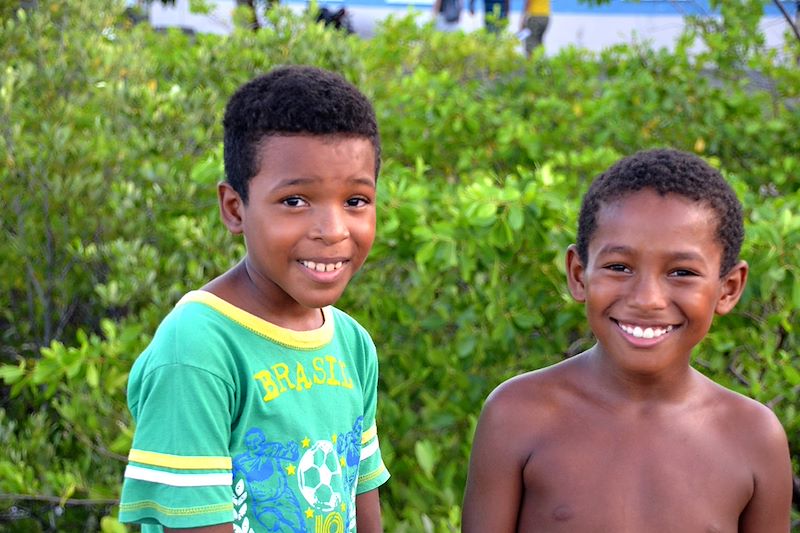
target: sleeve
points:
(372, 473)
(179, 467)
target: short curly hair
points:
(291, 100)
(666, 171)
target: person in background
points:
(535, 19)
(447, 14)
(495, 13)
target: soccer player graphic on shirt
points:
(348, 446)
(274, 504)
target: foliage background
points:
(110, 146)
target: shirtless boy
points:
(627, 436)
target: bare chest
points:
(632, 478)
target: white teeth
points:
(322, 267)
(646, 333)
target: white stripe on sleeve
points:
(369, 449)
(178, 480)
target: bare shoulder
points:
(751, 423)
(760, 443)
(754, 433)
(516, 417)
(532, 390)
(536, 397)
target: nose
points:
(331, 225)
(648, 292)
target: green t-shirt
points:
(239, 419)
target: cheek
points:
(272, 237)
(363, 231)
(599, 293)
(699, 306)
(703, 306)
(364, 244)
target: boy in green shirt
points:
(255, 402)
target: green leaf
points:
(796, 291)
(425, 253)
(109, 524)
(516, 217)
(466, 346)
(791, 374)
(427, 456)
(485, 215)
(92, 377)
(11, 374)
(200, 7)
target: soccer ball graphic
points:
(318, 473)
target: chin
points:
(320, 301)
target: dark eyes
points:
(617, 268)
(678, 272)
(296, 201)
(357, 201)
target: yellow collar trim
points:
(303, 340)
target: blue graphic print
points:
(272, 500)
(348, 446)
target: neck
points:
(668, 386)
(286, 314)
(240, 288)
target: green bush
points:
(110, 141)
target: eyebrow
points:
(627, 250)
(294, 182)
(614, 249)
(687, 256)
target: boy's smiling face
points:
(309, 222)
(652, 284)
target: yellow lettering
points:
(278, 378)
(300, 376)
(347, 383)
(334, 523)
(282, 374)
(319, 375)
(332, 379)
(270, 388)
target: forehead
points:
(278, 144)
(281, 156)
(646, 219)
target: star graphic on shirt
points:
(290, 470)
(309, 513)
(306, 442)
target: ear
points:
(575, 274)
(732, 286)
(231, 208)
